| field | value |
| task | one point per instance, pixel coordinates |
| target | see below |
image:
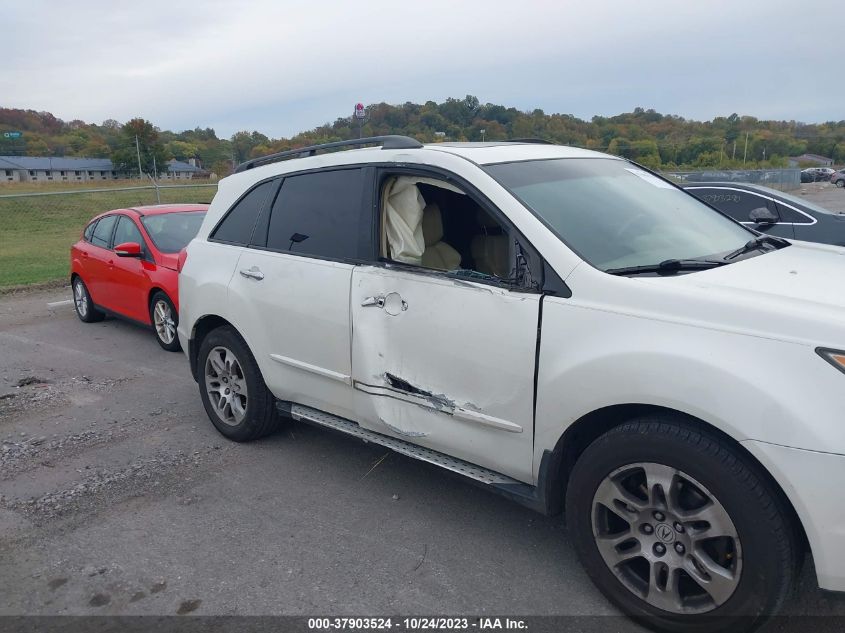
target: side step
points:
(478, 473)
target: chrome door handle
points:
(373, 302)
(253, 273)
(392, 303)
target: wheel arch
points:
(202, 327)
(581, 433)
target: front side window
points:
(171, 232)
(237, 226)
(102, 232)
(126, 231)
(433, 224)
(319, 214)
(616, 215)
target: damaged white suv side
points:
(562, 326)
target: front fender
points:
(749, 387)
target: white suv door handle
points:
(253, 273)
(392, 303)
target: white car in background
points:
(561, 326)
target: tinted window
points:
(615, 215)
(126, 231)
(89, 230)
(319, 214)
(737, 204)
(171, 232)
(102, 232)
(238, 224)
(788, 214)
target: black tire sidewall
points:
(260, 403)
(765, 578)
(93, 314)
(161, 296)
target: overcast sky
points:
(282, 66)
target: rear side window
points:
(736, 203)
(237, 226)
(89, 231)
(102, 232)
(319, 214)
(790, 215)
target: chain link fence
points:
(38, 227)
(781, 179)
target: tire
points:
(83, 304)
(840, 183)
(748, 571)
(234, 394)
(165, 319)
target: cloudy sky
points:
(281, 66)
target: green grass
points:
(37, 231)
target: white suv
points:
(562, 326)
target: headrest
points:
(432, 224)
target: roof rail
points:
(391, 141)
(537, 141)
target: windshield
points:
(615, 215)
(171, 232)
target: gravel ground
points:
(118, 497)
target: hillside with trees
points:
(657, 140)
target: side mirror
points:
(762, 215)
(128, 249)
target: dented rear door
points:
(447, 364)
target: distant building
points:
(45, 169)
(177, 170)
(821, 161)
(38, 169)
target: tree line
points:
(659, 141)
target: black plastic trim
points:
(826, 352)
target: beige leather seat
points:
(491, 249)
(437, 254)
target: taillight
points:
(183, 257)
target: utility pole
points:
(733, 156)
(138, 152)
(155, 169)
(745, 153)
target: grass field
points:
(37, 231)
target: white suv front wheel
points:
(679, 528)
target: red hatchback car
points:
(127, 264)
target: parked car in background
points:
(127, 264)
(816, 174)
(773, 212)
(838, 178)
(565, 328)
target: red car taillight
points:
(183, 257)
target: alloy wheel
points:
(163, 320)
(80, 299)
(226, 386)
(666, 538)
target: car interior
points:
(433, 224)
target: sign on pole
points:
(359, 111)
(12, 134)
